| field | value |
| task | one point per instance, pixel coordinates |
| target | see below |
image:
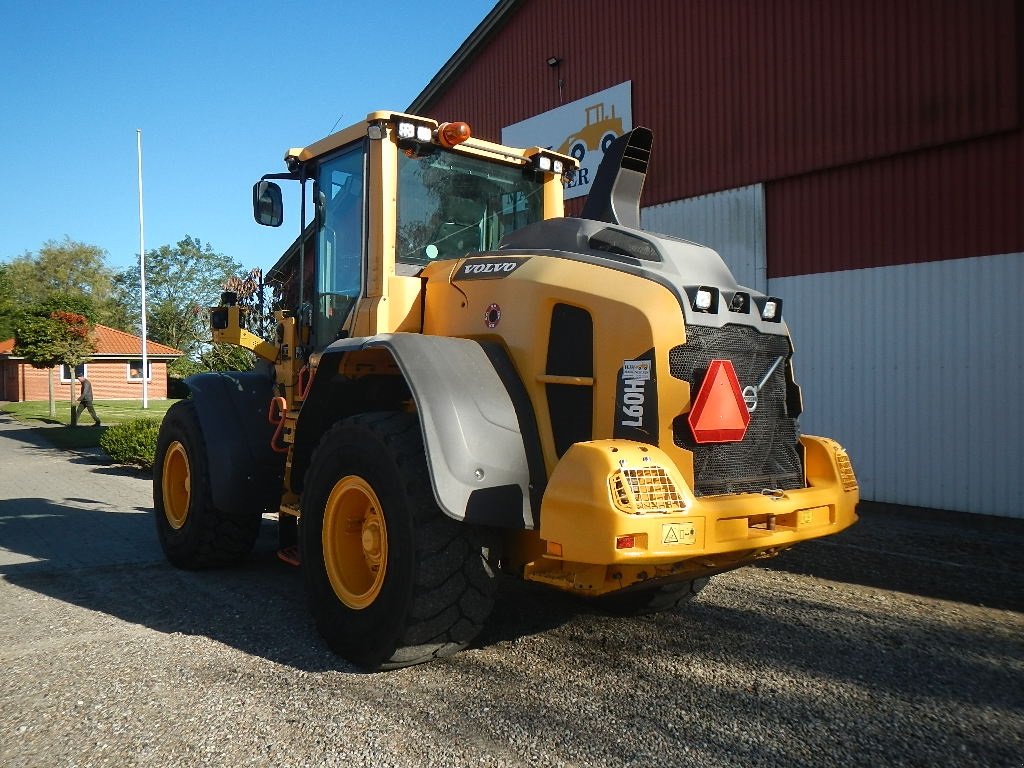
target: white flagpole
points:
(142, 274)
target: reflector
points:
(719, 414)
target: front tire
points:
(391, 580)
(192, 532)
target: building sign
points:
(583, 129)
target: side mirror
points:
(267, 207)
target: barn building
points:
(861, 159)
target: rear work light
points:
(771, 309)
(704, 299)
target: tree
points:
(256, 298)
(10, 309)
(181, 282)
(50, 335)
(68, 268)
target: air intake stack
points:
(615, 194)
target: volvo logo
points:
(750, 398)
(750, 394)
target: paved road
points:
(899, 642)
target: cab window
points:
(451, 205)
(340, 244)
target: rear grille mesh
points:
(769, 455)
(645, 490)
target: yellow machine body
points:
(613, 512)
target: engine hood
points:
(679, 265)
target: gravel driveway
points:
(899, 642)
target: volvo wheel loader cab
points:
(464, 380)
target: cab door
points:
(340, 194)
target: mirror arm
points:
(286, 176)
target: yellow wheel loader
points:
(464, 381)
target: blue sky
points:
(219, 89)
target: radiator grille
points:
(769, 455)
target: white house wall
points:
(731, 222)
(918, 370)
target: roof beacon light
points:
(450, 134)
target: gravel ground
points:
(898, 642)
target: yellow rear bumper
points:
(617, 512)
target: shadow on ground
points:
(84, 554)
(970, 559)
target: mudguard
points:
(473, 432)
(246, 474)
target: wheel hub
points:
(355, 542)
(176, 485)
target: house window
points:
(135, 370)
(65, 373)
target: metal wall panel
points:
(917, 370)
(740, 92)
(730, 222)
(951, 202)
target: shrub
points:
(132, 442)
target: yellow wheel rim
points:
(355, 542)
(176, 485)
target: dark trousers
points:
(87, 405)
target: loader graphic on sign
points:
(599, 132)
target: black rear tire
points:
(394, 581)
(193, 533)
(638, 602)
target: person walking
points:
(85, 401)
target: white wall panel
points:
(918, 370)
(731, 222)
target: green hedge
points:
(132, 442)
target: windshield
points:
(451, 205)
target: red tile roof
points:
(111, 342)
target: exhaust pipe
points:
(615, 194)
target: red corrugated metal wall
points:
(741, 91)
(965, 199)
(746, 91)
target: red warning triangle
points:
(719, 414)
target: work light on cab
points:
(416, 131)
(546, 163)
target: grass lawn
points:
(35, 413)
